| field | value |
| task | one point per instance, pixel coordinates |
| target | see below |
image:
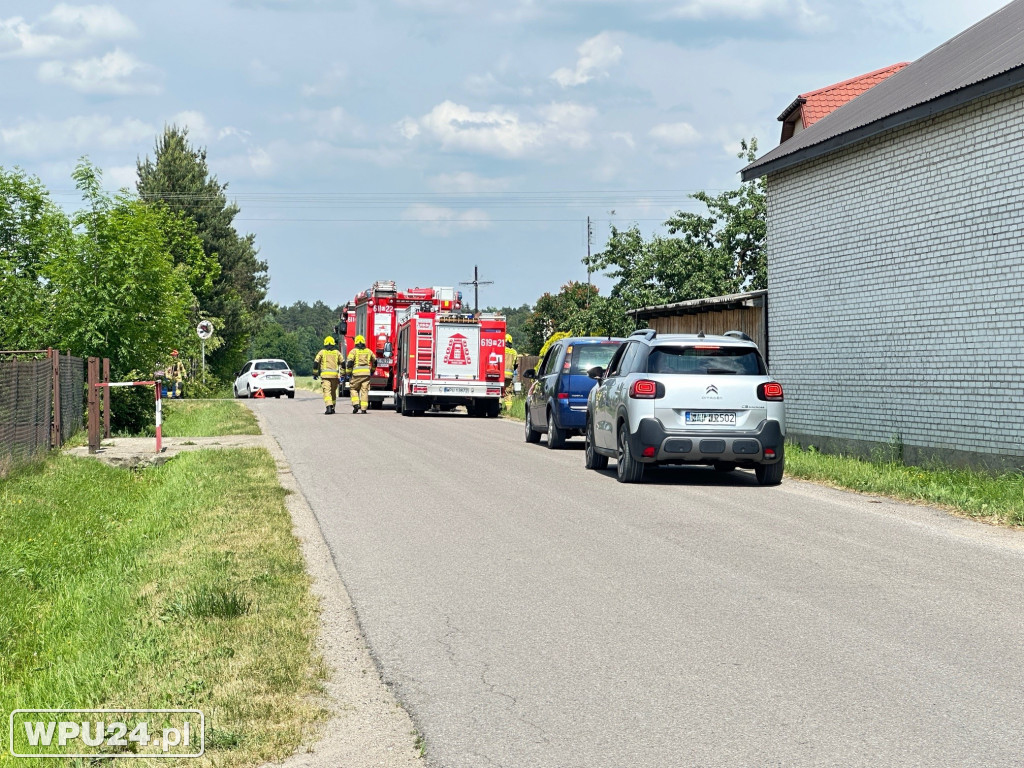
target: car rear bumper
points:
(704, 447)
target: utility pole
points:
(476, 282)
(588, 262)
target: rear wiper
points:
(721, 370)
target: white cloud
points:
(120, 176)
(596, 56)
(80, 133)
(95, 22)
(199, 128)
(332, 124)
(625, 137)
(501, 131)
(468, 183)
(675, 134)
(117, 73)
(441, 222)
(66, 28)
(329, 83)
(749, 10)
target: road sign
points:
(205, 329)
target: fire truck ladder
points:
(424, 353)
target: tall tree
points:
(178, 176)
(736, 226)
(704, 255)
(33, 233)
(116, 291)
(577, 309)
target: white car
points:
(274, 377)
(686, 399)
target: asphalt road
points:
(531, 613)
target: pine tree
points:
(178, 176)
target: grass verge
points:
(514, 408)
(306, 382)
(997, 498)
(177, 587)
(184, 418)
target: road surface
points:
(531, 613)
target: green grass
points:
(514, 408)
(306, 382)
(974, 493)
(184, 418)
(179, 586)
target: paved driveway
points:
(531, 613)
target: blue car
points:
(556, 404)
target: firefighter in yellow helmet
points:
(360, 364)
(327, 366)
(511, 363)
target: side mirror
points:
(530, 374)
(596, 372)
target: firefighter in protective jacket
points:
(511, 356)
(360, 364)
(327, 365)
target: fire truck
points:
(373, 314)
(448, 359)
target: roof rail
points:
(647, 333)
(737, 335)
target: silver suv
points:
(686, 399)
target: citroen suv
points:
(686, 399)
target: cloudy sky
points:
(412, 139)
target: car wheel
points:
(376, 405)
(724, 466)
(234, 391)
(771, 474)
(532, 435)
(493, 409)
(291, 395)
(248, 391)
(627, 469)
(556, 436)
(593, 459)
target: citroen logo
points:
(711, 390)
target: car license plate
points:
(457, 390)
(274, 378)
(726, 418)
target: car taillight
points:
(254, 374)
(770, 390)
(290, 373)
(563, 395)
(645, 389)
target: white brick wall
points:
(896, 288)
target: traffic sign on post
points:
(204, 330)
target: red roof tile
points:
(817, 104)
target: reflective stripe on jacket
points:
(510, 361)
(328, 361)
(360, 361)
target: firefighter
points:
(511, 363)
(327, 366)
(175, 373)
(361, 362)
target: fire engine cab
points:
(448, 359)
(373, 314)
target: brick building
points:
(896, 258)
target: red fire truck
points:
(372, 314)
(449, 359)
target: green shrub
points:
(132, 409)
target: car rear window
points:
(704, 360)
(587, 356)
(272, 365)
